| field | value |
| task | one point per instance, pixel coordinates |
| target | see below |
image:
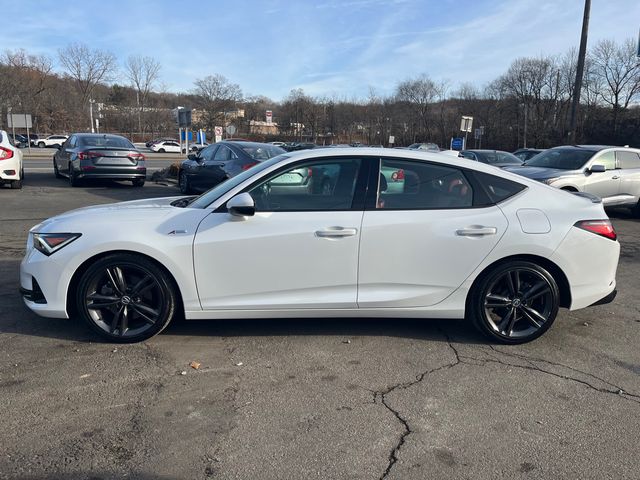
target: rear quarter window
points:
(496, 188)
(628, 159)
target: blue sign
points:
(457, 143)
(190, 135)
(201, 137)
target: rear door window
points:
(627, 159)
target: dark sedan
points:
(497, 158)
(91, 155)
(220, 161)
(525, 154)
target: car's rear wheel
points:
(515, 302)
(41, 145)
(17, 184)
(74, 181)
(56, 171)
(161, 150)
(138, 182)
(126, 298)
(183, 182)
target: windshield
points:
(262, 152)
(562, 158)
(210, 196)
(104, 141)
(503, 158)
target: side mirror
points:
(242, 205)
(597, 168)
(192, 156)
(59, 147)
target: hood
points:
(131, 211)
(539, 173)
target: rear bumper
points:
(115, 173)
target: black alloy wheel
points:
(126, 298)
(515, 302)
(183, 182)
(138, 182)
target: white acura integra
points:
(331, 233)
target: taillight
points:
(398, 175)
(89, 154)
(599, 227)
(137, 156)
(5, 153)
(247, 166)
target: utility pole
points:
(577, 89)
(91, 102)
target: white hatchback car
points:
(11, 169)
(452, 239)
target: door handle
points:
(336, 232)
(476, 231)
(615, 177)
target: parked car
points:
(277, 144)
(19, 140)
(497, 158)
(220, 161)
(525, 154)
(429, 147)
(50, 141)
(166, 146)
(611, 173)
(11, 169)
(295, 146)
(86, 156)
(158, 140)
(466, 240)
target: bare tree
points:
(215, 96)
(143, 73)
(618, 67)
(419, 93)
(87, 67)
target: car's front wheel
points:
(161, 150)
(183, 182)
(514, 302)
(41, 145)
(126, 298)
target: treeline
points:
(529, 104)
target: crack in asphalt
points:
(380, 397)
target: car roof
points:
(484, 151)
(244, 143)
(98, 135)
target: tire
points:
(17, 184)
(635, 211)
(183, 183)
(514, 302)
(74, 181)
(162, 150)
(138, 182)
(41, 145)
(56, 172)
(107, 301)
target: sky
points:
(334, 48)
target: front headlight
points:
(49, 243)
(549, 181)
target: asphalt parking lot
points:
(313, 398)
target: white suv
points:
(11, 170)
(50, 141)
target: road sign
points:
(184, 118)
(392, 139)
(467, 124)
(19, 120)
(269, 116)
(477, 133)
(457, 143)
(218, 131)
(231, 129)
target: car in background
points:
(52, 141)
(428, 147)
(497, 158)
(166, 146)
(86, 156)
(220, 161)
(277, 144)
(19, 140)
(11, 169)
(611, 173)
(525, 154)
(157, 140)
(295, 146)
(465, 241)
